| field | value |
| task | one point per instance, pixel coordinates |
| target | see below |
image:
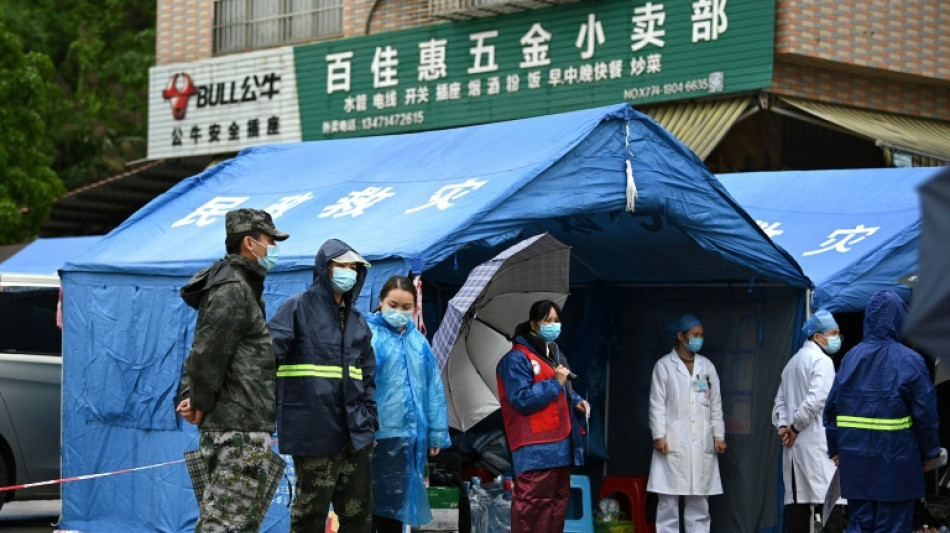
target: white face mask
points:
(395, 318)
(269, 260)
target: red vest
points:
(550, 424)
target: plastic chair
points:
(634, 490)
(579, 504)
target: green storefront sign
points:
(536, 62)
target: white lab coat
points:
(689, 420)
(806, 382)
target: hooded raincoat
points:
(881, 414)
(799, 402)
(412, 419)
(326, 367)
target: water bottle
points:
(478, 506)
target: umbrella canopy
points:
(481, 318)
(928, 323)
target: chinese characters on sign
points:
(596, 54)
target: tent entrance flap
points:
(930, 138)
(700, 125)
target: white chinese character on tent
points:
(474, 88)
(590, 36)
(338, 72)
(512, 83)
(209, 212)
(287, 203)
(709, 20)
(654, 63)
(770, 229)
(534, 47)
(432, 60)
(357, 202)
(384, 66)
(842, 240)
(484, 54)
(442, 199)
(534, 79)
(646, 20)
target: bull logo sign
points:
(179, 90)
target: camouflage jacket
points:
(231, 371)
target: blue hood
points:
(884, 317)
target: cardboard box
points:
(444, 502)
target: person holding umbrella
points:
(687, 426)
(540, 410)
(411, 406)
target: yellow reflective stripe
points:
(320, 371)
(879, 424)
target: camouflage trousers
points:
(237, 473)
(346, 480)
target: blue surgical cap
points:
(820, 321)
(687, 322)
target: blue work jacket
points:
(527, 397)
(881, 414)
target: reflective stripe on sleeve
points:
(319, 371)
(877, 424)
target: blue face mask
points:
(397, 319)
(695, 344)
(550, 332)
(269, 260)
(834, 344)
(343, 279)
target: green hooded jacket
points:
(231, 370)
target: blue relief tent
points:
(641, 212)
(854, 232)
(47, 256)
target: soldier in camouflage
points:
(229, 385)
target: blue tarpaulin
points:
(47, 256)
(854, 232)
(634, 203)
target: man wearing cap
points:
(325, 380)
(228, 388)
(688, 430)
(806, 380)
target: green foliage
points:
(86, 63)
(27, 184)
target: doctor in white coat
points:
(688, 431)
(799, 403)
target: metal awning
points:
(699, 125)
(99, 207)
(929, 138)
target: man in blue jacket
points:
(881, 422)
(326, 416)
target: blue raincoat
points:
(881, 414)
(412, 418)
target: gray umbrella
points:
(474, 334)
(928, 323)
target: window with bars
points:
(241, 25)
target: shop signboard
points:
(535, 62)
(223, 104)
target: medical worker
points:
(688, 430)
(411, 405)
(881, 422)
(796, 414)
(542, 414)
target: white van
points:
(31, 369)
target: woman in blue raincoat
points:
(412, 414)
